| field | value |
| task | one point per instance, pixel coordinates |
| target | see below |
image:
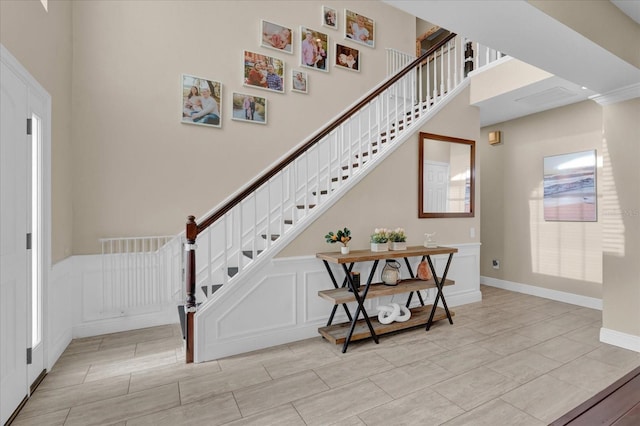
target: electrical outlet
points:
(495, 263)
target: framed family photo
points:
(359, 28)
(250, 108)
(329, 17)
(570, 187)
(201, 101)
(264, 72)
(347, 57)
(314, 49)
(277, 37)
(299, 81)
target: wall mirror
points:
(446, 184)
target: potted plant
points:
(380, 239)
(343, 236)
(398, 239)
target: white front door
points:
(24, 218)
(35, 290)
(14, 220)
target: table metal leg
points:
(335, 285)
(360, 300)
(406, 260)
(439, 285)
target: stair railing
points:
(249, 224)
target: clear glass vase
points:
(391, 272)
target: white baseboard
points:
(622, 340)
(560, 296)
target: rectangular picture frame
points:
(299, 81)
(329, 17)
(570, 187)
(359, 29)
(249, 108)
(201, 101)
(314, 49)
(347, 57)
(258, 72)
(277, 37)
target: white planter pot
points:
(398, 246)
(344, 249)
(379, 246)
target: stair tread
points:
(214, 288)
(273, 236)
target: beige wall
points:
(503, 78)
(388, 197)
(621, 217)
(137, 169)
(563, 256)
(41, 41)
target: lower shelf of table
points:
(337, 333)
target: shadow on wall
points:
(613, 229)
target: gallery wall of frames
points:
(303, 48)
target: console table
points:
(358, 329)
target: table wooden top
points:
(367, 255)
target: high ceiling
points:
(524, 32)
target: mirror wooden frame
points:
(472, 169)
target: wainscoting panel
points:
(314, 281)
(252, 315)
(60, 312)
(95, 315)
(281, 303)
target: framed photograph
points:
(570, 187)
(314, 50)
(201, 101)
(263, 72)
(249, 108)
(275, 36)
(299, 81)
(347, 58)
(359, 28)
(329, 17)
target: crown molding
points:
(618, 95)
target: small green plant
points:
(342, 236)
(397, 236)
(380, 235)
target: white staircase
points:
(247, 300)
(249, 228)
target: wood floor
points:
(511, 359)
(618, 404)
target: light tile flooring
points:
(511, 359)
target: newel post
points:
(190, 281)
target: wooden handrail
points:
(213, 217)
(193, 229)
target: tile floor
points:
(511, 359)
